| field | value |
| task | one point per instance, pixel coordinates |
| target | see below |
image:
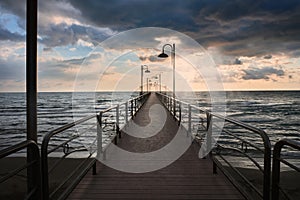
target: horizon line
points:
(250, 90)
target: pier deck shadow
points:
(187, 178)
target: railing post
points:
(135, 106)
(118, 121)
(189, 120)
(99, 134)
(276, 171)
(44, 170)
(95, 168)
(169, 104)
(209, 134)
(174, 107)
(267, 174)
(179, 108)
(215, 168)
(126, 112)
(131, 101)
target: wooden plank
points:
(187, 178)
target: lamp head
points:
(163, 55)
(147, 71)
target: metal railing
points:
(243, 137)
(94, 134)
(113, 119)
(236, 138)
(34, 184)
(277, 159)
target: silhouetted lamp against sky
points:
(164, 55)
(158, 76)
(148, 80)
(143, 67)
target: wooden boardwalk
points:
(187, 178)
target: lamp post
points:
(143, 67)
(148, 80)
(164, 55)
(158, 76)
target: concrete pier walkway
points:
(187, 178)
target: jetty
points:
(206, 168)
(187, 178)
(132, 127)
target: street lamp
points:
(158, 76)
(148, 80)
(164, 55)
(143, 67)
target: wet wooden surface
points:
(187, 178)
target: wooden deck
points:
(187, 178)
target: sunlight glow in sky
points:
(254, 44)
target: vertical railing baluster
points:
(179, 110)
(99, 134)
(209, 134)
(189, 120)
(118, 121)
(126, 112)
(131, 101)
(135, 106)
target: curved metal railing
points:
(34, 184)
(236, 138)
(106, 123)
(277, 159)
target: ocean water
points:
(276, 112)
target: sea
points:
(275, 112)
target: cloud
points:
(151, 58)
(268, 57)
(7, 35)
(261, 73)
(64, 34)
(237, 28)
(237, 62)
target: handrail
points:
(45, 152)
(277, 159)
(209, 118)
(33, 190)
(266, 151)
(107, 120)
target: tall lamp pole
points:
(143, 67)
(159, 79)
(158, 76)
(164, 55)
(148, 84)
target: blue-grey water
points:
(276, 112)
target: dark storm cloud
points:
(237, 27)
(151, 58)
(15, 7)
(6, 35)
(244, 27)
(125, 14)
(261, 73)
(63, 34)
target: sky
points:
(252, 44)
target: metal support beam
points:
(31, 87)
(31, 69)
